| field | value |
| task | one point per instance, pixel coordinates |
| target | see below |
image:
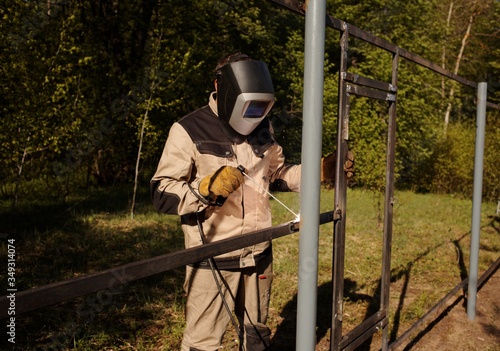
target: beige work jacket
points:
(197, 147)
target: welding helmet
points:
(245, 95)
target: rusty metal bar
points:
(389, 201)
(436, 68)
(368, 327)
(492, 105)
(340, 201)
(370, 93)
(430, 314)
(332, 22)
(368, 82)
(360, 333)
(51, 294)
(374, 329)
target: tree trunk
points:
(443, 54)
(141, 138)
(19, 173)
(455, 71)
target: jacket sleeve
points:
(284, 177)
(173, 189)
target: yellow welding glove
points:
(221, 183)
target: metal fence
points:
(354, 85)
(51, 294)
(350, 84)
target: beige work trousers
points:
(206, 316)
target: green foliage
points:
(449, 168)
(368, 125)
(453, 164)
(491, 176)
(79, 78)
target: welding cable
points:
(214, 268)
(244, 309)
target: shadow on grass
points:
(55, 242)
(284, 337)
(495, 223)
(108, 319)
(42, 215)
(58, 245)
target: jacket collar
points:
(212, 102)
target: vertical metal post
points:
(389, 202)
(340, 199)
(477, 198)
(314, 55)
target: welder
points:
(198, 178)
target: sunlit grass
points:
(430, 255)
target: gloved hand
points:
(221, 183)
(349, 165)
(328, 165)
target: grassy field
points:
(430, 256)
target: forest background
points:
(89, 89)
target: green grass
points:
(431, 235)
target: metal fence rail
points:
(352, 84)
(299, 7)
(51, 294)
(438, 307)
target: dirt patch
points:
(453, 330)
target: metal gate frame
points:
(349, 84)
(353, 84)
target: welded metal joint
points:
(353, 77)
(391, 97)
(340, 315)
(294, 226)
(303, 7)
(344, 40)
(345, 134)
(345, 125)
(337, 215)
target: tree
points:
(473, 12)
(91, 88)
